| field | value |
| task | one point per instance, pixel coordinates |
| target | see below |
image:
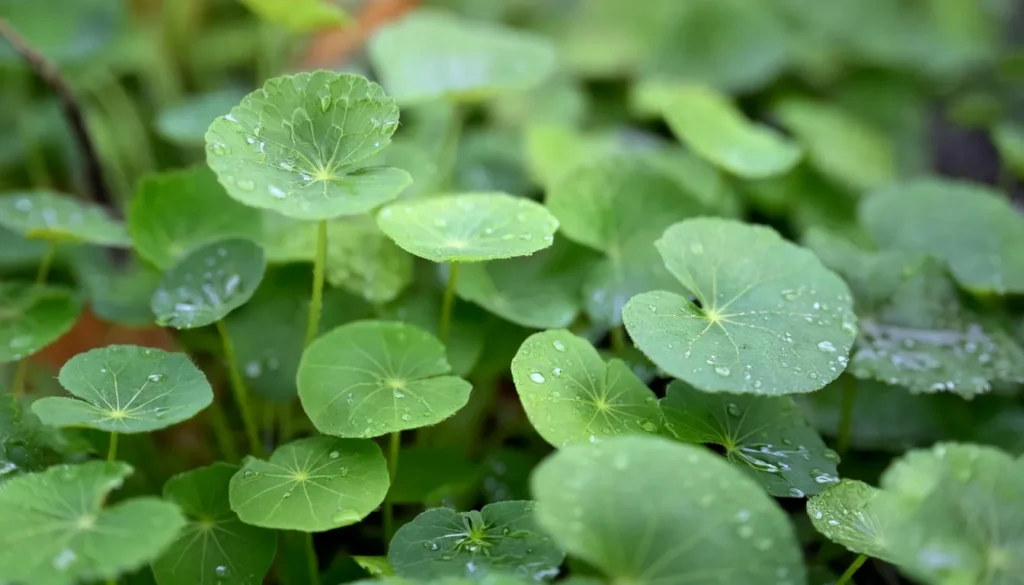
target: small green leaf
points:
(46, 215)
(857, 516)
(186, 123)
(768, 317)
(714, 526)
(300, 16)
(841, 146)
(32, 317)
(500, 538)
(430, 474)
(208, 283)
(375, 566)
(766, 435)
(126, 389)
(572, 396)
(716, 130)
(371, 378)
(176, 212)
(54, 529)
(118, 289)
(363, 261)
(470, 227)
(25, 444)
(298, 146)
(974, 230)
(1009, 139)
(215, 547)
(311, 485)
(466, 61)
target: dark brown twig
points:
(47, 71)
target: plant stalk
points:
(448, 301)
(394, 445)
(847, 576)
(846, 417)
(240, 391)
(44, 265)
(222, 431)
(21, 370)
(317, 300)
(618, 335)
(312, 561)
(112, 449)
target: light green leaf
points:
(68, 34)
(25, 444)
(371, 378)
(857, 516)
(126, 389)
(538, 291)
(208, 283)
(470, 227)
(46, 215)
(32, 317)
(215, 547)
(54, 529)
(466, 61)
(768, 317)
(375, 566)
(717, 131)
(766, 435)
(298, 146)
(553, 149)
(1009, 139)
(974, 230)
(363, 261)
(311, 485)
(841, 146)
(571, 395)
(286, 239)
(500, 538)
(300, 16)
(174, 213)
(608, 505)
(186, 123)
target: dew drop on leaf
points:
(537, 377)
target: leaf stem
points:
(225, 439)
(45, 263)
(448, 301)
(21, 370)
(240, 391)
(847, 576)
(316, 302)
(311, 560)
(618, 340)
(394, 445)
(846, 417)
(112, 448)
(284, 431)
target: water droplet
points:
(276, 192)
(557, 371)
(733, 409)
(723, 371)
(334, 455)
(160, 411)
(64, 559)
(796, 493)
(286, 495)
(696, 248)
(345, 516)
(222, 572)
(246, 185)
(559, 345)
(827, 346)
(253, 369)
(406, 417)
(537, 377)
(155, 377)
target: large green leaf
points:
(298, 146)
(768, 317)
(500, 538)
(470, 227)
(767, 435)
(608, 504)
(300, 16)
(974, 230)
(215, 547)
(312, 485)
(25, 444)
(716, 130)
(371, 378)
(571, 395)
(363, 261)
(208, 283)
(841, 146)
(32, 317)
(175, 212)
(54, 529)
(914, 329)
(464, 61)
(857, 516)
(126, 389)
(50, 216)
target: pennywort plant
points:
(641, 294)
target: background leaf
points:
(32, 317)
(50, 216)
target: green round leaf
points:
(716, 130)
(768, 318)
(297, 146)
(500, 538)
(371, 378)
(608, 504)
(126, 389)
(311, 485)
(1009, 139)
(215, 547)
(571, 395)
(186, 123)
(46, 215)
(470, 227)
(25, 444)
(465, 339)
(118, 290)
(208, 284)
(300, 16)
(175, 212)
(54, 529)
(974, 230)
(767, 435)
(32, 317)
(365, 262)
(857, 516)
(465, 61)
